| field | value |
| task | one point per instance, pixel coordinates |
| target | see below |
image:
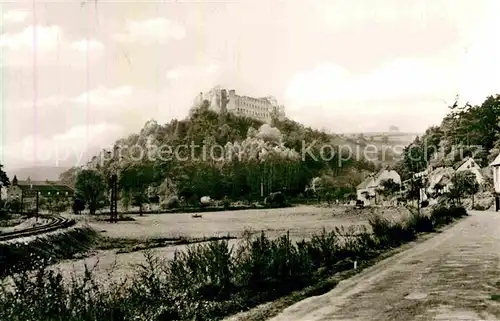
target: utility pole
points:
(114, 199)
(22, 200)
(37, 199)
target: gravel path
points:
(448, 277)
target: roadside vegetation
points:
(210, 281)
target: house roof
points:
(496, 162)
(443, 181)
(44, 186)
(460, 163)
(364, 184)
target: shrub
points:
(18, 256)
(205, 201)
(389, 232)
(443, 215)
(170, 203)
(205, 282)
(419, 222)
(226, 202)
(276, 199)
(478, 207)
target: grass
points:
(125, 245)
(20, 256)
(210, 281)
(495, 297)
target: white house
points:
(496, 174)
(496, 180)
(368, 188)
(468, 164)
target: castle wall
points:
(261, 109)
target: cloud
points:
(156, 31)
(345, 13)
(65, 149)
(43, 38)
(47, 45)
(87, 45)
(15, 16)
(106, 97)
(403, 79)
(195, 71)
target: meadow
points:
(301, 223)
(212, 280)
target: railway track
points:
(55, 222)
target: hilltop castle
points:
(263, 109)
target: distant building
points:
(368, 188)
(27, 189)
(468, 164)
(263, 109)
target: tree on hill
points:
(467, 130)
(90, 187)
(69, 177)
(249, 158)
(134, 182)
(464, 183)
(4, 180)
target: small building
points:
(27, 190)
(439, 180)
(469, 164)
(496, 180)
(369, 187)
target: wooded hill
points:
(468, 130)
(270, 155)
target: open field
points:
(302, 222)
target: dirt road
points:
(448, 277)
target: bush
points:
(390, 233)
(419, 222)
(443, 215)
(226, 202)
(18, 256)
(205, 201)
(479, 208)
(204, 282)
(171, 203)
(276, 199)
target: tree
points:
(4, 180)
(90, 187)
(463, 183)
(414, 191)
(78, 206)
(134, 182)
(388, 187)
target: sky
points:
(78, 75)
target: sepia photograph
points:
(249, 160)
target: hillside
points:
(250, 158)
(466, 131)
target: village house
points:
(496, 180)
(368, 188)
(468, 164)
(27, 190)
